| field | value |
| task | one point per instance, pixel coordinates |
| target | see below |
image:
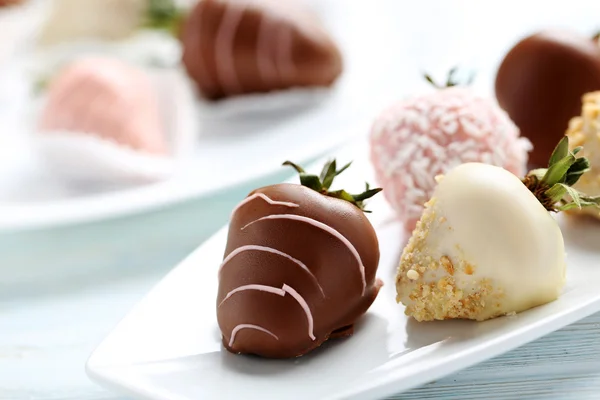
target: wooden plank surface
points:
(562, 365)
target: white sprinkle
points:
(412, 275)
(470, 156)
(470, 127)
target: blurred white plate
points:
(20, 25)
(169, 346)
(228, 153)
(384, 59)
(238, 140)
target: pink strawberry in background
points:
(419, 138)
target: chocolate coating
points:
(331, 283)
(540, 84)
(237, 47)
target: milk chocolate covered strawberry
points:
(541, 81)
(299, 267)
(233, 47)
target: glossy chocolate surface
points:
(291, 237)
(540, 84)
(234, 47)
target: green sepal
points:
(323, 182)
(367, 194)
(345, 167)
(298, 168)
(584, 201)
(560, 162)
(451, 79)
(311, 181)
(328, 173)
(163, 15)
(579, 167)
(342, 194)
(560, 152)
(553, 185)
(558, 191)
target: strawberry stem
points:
(164, 15)
(552, 186)
(323, 182)
(451, 79)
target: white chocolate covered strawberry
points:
(108, 19)
(487, 245)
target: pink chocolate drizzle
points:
(224, 45)
(273, 251)
(327, 229)
(280, 292)
(248, 326)
(287, 69)
(198, 52)
(273, 49)
(266, 66)
(265, 198)
(304, 306)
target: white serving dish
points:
(169, 346)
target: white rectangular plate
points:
(169, 346)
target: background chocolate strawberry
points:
(237, 47)
(540, 84)
(299, 267)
